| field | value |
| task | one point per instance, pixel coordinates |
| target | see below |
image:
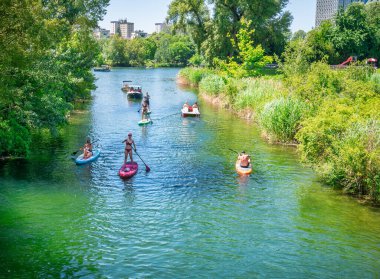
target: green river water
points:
(192, 216)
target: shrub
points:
(212, 84)
(281, 118)
(194, 75)
(356, 162)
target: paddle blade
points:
(147, 169)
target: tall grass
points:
(257, 93)
(281, 118)
(212, 84)
(375, 79)
(194, 75)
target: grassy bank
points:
(332, 115)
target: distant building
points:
(327, 9)
(123, 28)
(160, 27)
(139, 34)
(101, 33)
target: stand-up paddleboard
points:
(81, 161)
(128, 170)
(145, 122)
(241, 170)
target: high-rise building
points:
(123, 28)
(327, 9)
(160, 27)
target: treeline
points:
(354, 32)
(213, 25)
(161, 50)
(47, 51)
(332, 114)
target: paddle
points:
(147, 169)
(233, 150)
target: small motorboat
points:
(128, 170)
(81, 161)
(241, 170)
(189, 111)
(125, 86)
(134, 91)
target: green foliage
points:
(355, 166)
(250, 60)
(194, 75)
(212, 30)
(212, 84)
(158, 50)
(375, 79)
(256, 93)
(354, 32)
(196, 60)
(46, 60)
(281, 118)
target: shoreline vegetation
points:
(332, 117)
(329, 111)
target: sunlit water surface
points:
(191, 216)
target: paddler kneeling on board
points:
(245, 159)
(128, 147)
(87, 149)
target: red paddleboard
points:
(128, 170)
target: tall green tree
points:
(190, 16)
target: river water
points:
(191, 216)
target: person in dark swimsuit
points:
(146, 98)
(128, 147)
(144, 110)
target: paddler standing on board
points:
(245, 159)
(128, 147)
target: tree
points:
(299, 35)
(47, 53)
(190, 16)
(352, 35)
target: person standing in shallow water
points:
(128, 147)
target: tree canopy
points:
(47, 53)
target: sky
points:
(145, 13)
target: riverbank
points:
(329, 115)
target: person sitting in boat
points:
(245, 159)
(195, 107)
(144, 110)
(87, 149)
(128, 147)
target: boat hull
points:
(186, 113)
(81, 161)
(243, 171)
(128, 170)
